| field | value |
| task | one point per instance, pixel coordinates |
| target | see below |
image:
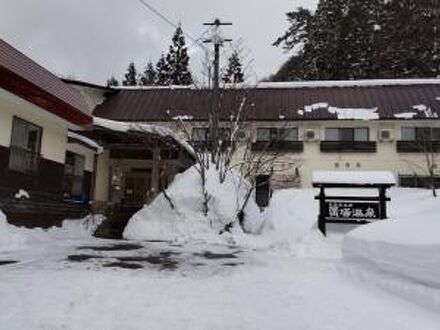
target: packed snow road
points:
(94, 284)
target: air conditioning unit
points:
(385, 135)
(310, 135)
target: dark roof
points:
(27, 79)
(269, 103)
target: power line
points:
(171, 23)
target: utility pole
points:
(214, 111)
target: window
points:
(74, 176)
(435, 134)
(420, 134)
(277, 134)
(347, 134)
(288, 134)
(263, 134)
(25, 146)
(200, 134)
(224, 134)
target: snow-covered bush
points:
(10, 237)
(182, 217)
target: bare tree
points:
(424, 144)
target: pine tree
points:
(130, 78)
(112, 82)
(178, 60)
(149, 76)
(234, 71)
(356, 39)
(359, 47)
(409, 39)
(162, 72)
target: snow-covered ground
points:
(401, 255)
(289, 278)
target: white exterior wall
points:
(54, 139)
(312, 159)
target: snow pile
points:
(16, 238)
(403, 254)
(342, 113)
(78, 228)
(159, 221)
(10, 237)
(354, 177)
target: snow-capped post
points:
(356, 209)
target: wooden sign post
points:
(351, 209)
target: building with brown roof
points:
(321, 125)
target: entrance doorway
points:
(137, 186)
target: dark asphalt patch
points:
(124, 265)
(211, 255)
(81, 257)
(7, 262)
(114, 247)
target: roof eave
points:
(38, 96)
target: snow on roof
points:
(354, 177)
(405, 115)
(426, 110)
(300, 84)
(343, 113)
(153, 87)
(85, 140)
(121, 126)
(348, 83)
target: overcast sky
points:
(92, 39)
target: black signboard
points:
(351, 209)
(356, 211)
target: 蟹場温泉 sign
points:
(350, 208)
(355, 211)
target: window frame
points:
(34, 155)
(351, 130)
(74, 176)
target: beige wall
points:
(312, 159)
(54, 139)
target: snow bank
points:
(10, 237)
(403, 254)
(16, 238)
(186, 221)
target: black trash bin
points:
(262, 190)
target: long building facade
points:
(389, 125)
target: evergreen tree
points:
(356, 39)
(409, 39)
(359, 45)
(178, 60)
(112, 82)
(130, 78)
(162, 72)
(149, 76)
(234, 71)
